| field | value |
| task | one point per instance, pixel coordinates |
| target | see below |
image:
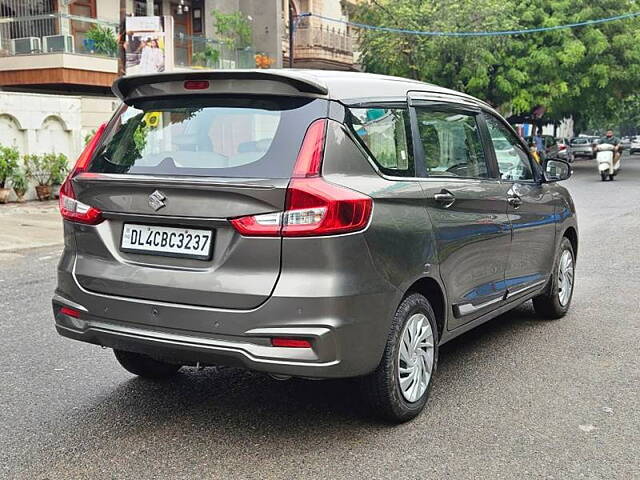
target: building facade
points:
(58, 60)
(319, 43)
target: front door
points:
(531, 212)
(79, 29)
(467, 207)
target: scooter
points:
(605, 153)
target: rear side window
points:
(385, 133)
(451, 144)
(230, 137)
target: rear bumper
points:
(347, 333)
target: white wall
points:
(41, 123)
(109, 10)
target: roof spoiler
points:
(277, 82)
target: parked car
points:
(635, 145)
(550, 145)
(583, 147)
(564, 149)
(309, 224)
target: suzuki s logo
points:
(156, 200)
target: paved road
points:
(516, 398)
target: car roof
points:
(345, 86)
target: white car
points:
(635, 145)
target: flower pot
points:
(4, 194)
(56, 191)
(43, 192)
(20, 194)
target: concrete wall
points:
(41, 123)
(267, 25)
(110, 9)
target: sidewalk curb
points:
(29, 247)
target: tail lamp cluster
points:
(313, 206)
(70, 207)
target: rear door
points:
(466, 204)
(531, 210)
(168, 176)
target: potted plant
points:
(20, 184)
(38, 169)
(102, 40)
(8, 165)
(207, 57)
(59, 166)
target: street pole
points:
(121, 38)
(291, 26)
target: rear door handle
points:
(515, 201)
(445, 198)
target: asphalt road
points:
(516, 398)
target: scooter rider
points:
(615, 141)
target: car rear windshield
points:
(221, 137)
(580, 141)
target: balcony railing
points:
(61, 33)
(202, 52)
(325, 36)
(57, 33)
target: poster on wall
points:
(148, 45)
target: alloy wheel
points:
(565, 277)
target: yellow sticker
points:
(152, 119)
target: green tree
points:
(232, 29)
(586, 71)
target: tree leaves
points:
(568, 70)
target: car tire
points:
(555, 301)
(145, 366)
(603, 176)
(382, 388)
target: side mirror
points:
(556, 170)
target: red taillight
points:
(316, 207)
(70, 312)
(311, 153)
(196, 84)
(313, 206)
(290, 343)
(562, 147)
(70, 208)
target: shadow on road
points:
(239, 401)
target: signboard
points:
(148, 45)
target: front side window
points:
(451, 144)
(385, 132)
(513, 160)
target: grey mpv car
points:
(306, 223)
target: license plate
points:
(167, 241)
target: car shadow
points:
(245, 399)
(226, 407)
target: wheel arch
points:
(572, 235)
(432, 291)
